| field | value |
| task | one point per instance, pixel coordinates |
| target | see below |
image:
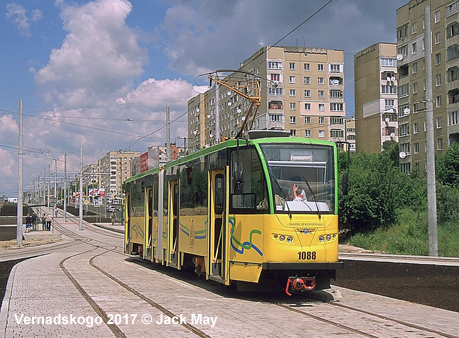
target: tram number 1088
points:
(307, 255)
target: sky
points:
(98, 75)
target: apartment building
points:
(350, 133)
(115, 168)
(301, 90)
(375, 77)
(412, 78)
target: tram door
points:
(150, 224)
(173, 222)
(127, 214)
(217, 229)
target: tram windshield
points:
(302, 177)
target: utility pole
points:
(430, 148)
(80, 227)
(65, 188)
(168, 134)
(20, 167)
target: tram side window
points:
(248, 191)
(193, 190)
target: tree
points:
(448, 166)
(377, 189)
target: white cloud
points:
(98, 58)
(16, 14)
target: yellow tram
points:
(256, 212)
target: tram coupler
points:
(300, 284)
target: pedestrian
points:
(28, 223)
(113, 217)
(55, 212)
(49, 219)
(43, 222)
(34, 221)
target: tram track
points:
(98, 244)
(374, 318)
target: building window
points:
(387, 89)
(414, 28)
(438, 58)
(307, 133)
(321, 94)
(335, 68)
(437, 38)
(320, 80)
(291, 65)
(336, 94)
(439, 122)
(307, 93)
(414, 48)
(275, 77)
(275, 118)
(292, 106)
(415, 88)
(402, 32)
(438, 101)
(291, 79)
(452, 30)
(454, 118)
(321, 133)
(452, 8)
(292, 92)
(293, 119)
(307, 119)
(320, 67)
(275, 91)
(336, 120)
(404, 130)
(438, 80)
(337, 133)
(292, 132)
(402, 90)
(321, 107)
(439, 144)
(415, 67)
(274, 65)
(416, 148)
(321, 120)
(307, 106)
(307, 80)
(452, 52)
(306, 66)
(437, 16)
(388, 62)
(415, 128)
(336, 106)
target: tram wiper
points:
(283, 193)
(313, 196)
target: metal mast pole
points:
(20, 202)
(430, 148)
(81, 191)
(65, 187)
(168, 134)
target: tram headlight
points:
(282, 238)
(328, 237)
(289, 239)
(321, 239)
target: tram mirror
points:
(345, 184)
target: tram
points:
(259, 213)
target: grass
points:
(410, 237)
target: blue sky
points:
(99, 74)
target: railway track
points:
(100, 244)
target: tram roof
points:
(231, 143)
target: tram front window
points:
(302, 177)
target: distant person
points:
(34, 221)
(43, 222)
(298, 195)
(49, 219)
(55, 212)
(28, 223)
(113, 217)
